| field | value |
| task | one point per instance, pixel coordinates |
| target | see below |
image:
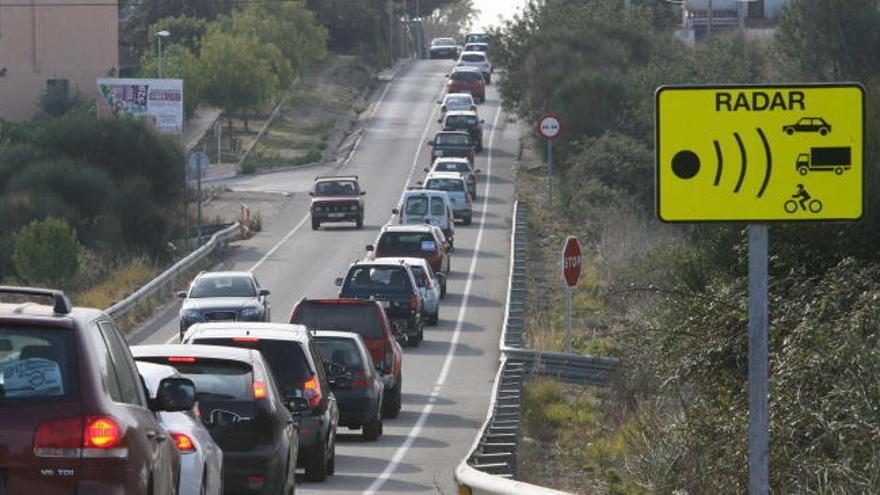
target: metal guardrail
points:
(164, 279)
(490, 467)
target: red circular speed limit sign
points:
(571, 261)
(549, 126)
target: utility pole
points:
(390, 33)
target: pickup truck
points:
(452, 144)
(395, 287)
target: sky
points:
(491, 9)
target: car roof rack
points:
(323, 177)
(60, 302)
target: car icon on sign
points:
(808, 124)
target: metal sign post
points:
(549, 127)
(759, 388)
(571, 272)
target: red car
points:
(417, 241)
(368, 319)
(74, 415)
(467, 80)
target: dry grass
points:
(125, 280)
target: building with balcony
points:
(66, 44)
(704, 18)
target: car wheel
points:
(204, 489)
(468, 220)
(434, 318)
(823, 131)
(391, 406)
(359, 223)
(331, 461)
(373, 430)
(316, 470)
(412, 340)
(316, 224)
(789, 131)
(421, 334)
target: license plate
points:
(385, 304)
(336, 215)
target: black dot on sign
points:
(685, 164)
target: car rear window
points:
(371, 277)
(341, 351)
(473, 58)
(215, 379)
(438, 206)
(223, 287)
(416, 205)
(443, 42)
(453, 167)
(358, 318)
(461, 121)
(37, 365)
(452, 139)
(466, 76)
(400, 243)
(285, 357)
(453, 185)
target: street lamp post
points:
(159, 36)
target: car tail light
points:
(467, 198)
(259, 385)
(256, 482)
(181, 359)
(360, 379)
(414, 303)
(245, 339)
(90, 436)
(312, 391)
(184, 443)
(428, 285)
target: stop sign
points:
(571, 261)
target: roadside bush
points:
(46, 252)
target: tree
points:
(178, 62)
(46, 252)
(135, 29)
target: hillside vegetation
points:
(674, 298)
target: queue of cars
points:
(240, 403)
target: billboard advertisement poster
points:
(159, 101)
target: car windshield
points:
(374, 277)
(459, 121)
(477, 38)
(473, 58)
(451, 185)
(336, 188)
(285, 357)
(341, 351)
(216, 379)
(452, 139)
(452, 167)
(466, 76)
(359, 318)
(443, 42)
(36, 365)
(232, 286)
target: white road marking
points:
(450, 355)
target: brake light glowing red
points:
(90, 436)
(181, 359)
(414, 303)
(312, 391)
(64, 433)
(184, 443)
(259, 389)
(245, 339)
(102, 433)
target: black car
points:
(393, 285)
(243, 409)
(358, 387)
(299, 371)
(443, 48)
(223, 296)
(465, 121)
(447, 144)
(74, 416)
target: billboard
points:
(160, 101)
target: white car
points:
(201, 460)
(455, 102)
(460, 165)
(478, 60)
(477, 47)
(454, 186)
(419, 206)
(429, 286)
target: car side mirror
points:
(419, 182)
(297, 404)
(482, 121)
(426, 169)
(478, 171)
(311, 193)
(395, 211)
(181, 294)
(175, 394)
(265, 292)
(363, 193)
(439, 121)
(430, 143)
(339, 281)
(370, 247)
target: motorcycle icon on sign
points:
(803, 201)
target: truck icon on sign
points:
(824, 159)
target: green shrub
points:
(47, 252)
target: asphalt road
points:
(448, 378)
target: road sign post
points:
(571, 272)
(549, 127)
(759, 154)
(198, 164)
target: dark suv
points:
(241, 406)
(74, 416)
(299, 371)
(368, 319)
(394, 286)
(337, 199)
(223, 296)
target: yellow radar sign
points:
(760, 153)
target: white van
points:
(421, 206)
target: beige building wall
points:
(62, 40)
